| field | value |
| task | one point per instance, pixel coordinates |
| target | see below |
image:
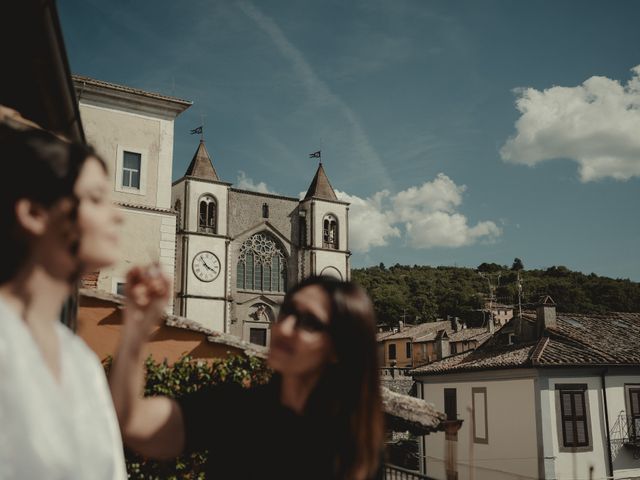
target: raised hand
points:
(147, 292)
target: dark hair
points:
(39, 166)
(349, 391)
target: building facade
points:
(239, 251)
(548, 397)
(427, 342)
(132, 130)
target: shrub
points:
(186, 376)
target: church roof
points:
(320, 186)
(201, 166)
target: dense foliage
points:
(426, 293)
(187, 376)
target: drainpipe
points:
(606, 421)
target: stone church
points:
(232, 253)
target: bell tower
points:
(324, 219)
(202, 285)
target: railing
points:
(393, 472)
(395, 372)
(628, 429)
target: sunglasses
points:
(303, 320)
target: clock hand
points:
(207, 266)
(205, 262)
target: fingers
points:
(146, 285)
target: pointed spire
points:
(320, 186)
(201, 165)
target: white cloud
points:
(431, 219)
(246, 183)
(596, 124)
(442, 194)
(428, 215)
(442, 229)
(369, 225)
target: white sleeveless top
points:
(54, 430)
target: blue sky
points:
(462, 132)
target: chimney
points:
(455, 326)
(400, 325)
(443, 348)
(491, 326)
(545, 314)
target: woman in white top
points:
(56, 416)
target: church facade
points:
(231, 253)
(239, 251)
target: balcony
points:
(628, 427)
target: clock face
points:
(206, 266)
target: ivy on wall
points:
(186, 376)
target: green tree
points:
(517, 264)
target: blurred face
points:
(98, 219)
(300, 342)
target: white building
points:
(549, 396)
(132, 130)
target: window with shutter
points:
(451, 410)
(450, 403)
(634, 412)
(575, 431)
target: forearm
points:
(152, 426)
(126, 378)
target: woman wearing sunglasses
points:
(320, 417)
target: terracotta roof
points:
(79, 79)
(320, 186)
(427, 332)
(409, 413)
(383, 335)
(481, 359)
(201, 165)
(415, 332)
(479, 334)
(147, 207)
(577, 340)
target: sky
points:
(461, 132)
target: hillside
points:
(426, 293)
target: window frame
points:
(485, 412)
(249, 269)
(450, 397)
(327, 221)
(395, 353)
(208, 229)
(573, 389)
(633, 419)
(262, 331)
(119, 170)
(130, 171)
(408, 349)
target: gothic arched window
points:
(330, 232)
(262, 265)
(208, 212)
